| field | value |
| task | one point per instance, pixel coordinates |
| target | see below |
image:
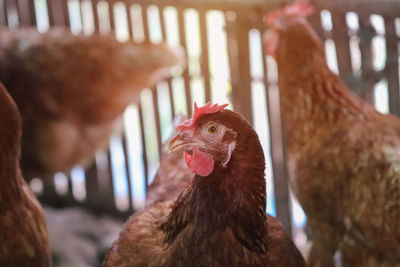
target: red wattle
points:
(202, 163)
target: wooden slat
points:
(144, 151)
(57, 15)
(111, 13)
(204, 54)
(130, 21)
(10, 6)
(366, 33)
(392, 66)
(171, 98)
(145, 21)
(69, 197)
(3, 13)
(315, 21)
(51, 11)
(162, 23)
(186, 77)
(26, 16)
(169, 82)
(81, 14)
(238, 38)
(157, 119)
(64, 4)
(91, 185)
(96, 16)
(109, 197)
(342, 44)
(127, 170)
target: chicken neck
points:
(311, 96)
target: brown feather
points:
(343, 156)
(23, 233)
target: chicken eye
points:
(213, 129)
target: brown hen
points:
(23, 233)
(219, 219)
(72, 90)
(344, 157)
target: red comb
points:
(300, 8)
(198, 111)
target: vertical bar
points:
(186, 76)
(81, 15)
(278, 148)
(171, 98)
(127, 170)
(50, 11)
(26, 17)
(157, 119)
(238, 38)
(162, 23)
(342, 44)
(91, 184)
(111, 12)
(164, 37)
(10, 5)
(130, 25)
(366, 33)
(204, 54)
(392, 65)
(144, 156)
(145, 23)
(96, 16)
(315, 21)
(3, 13)
(110, 195)
(69, 197)
(64, 4)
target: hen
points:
(23, 233)
(72, 90)
(219, 219)
(343, 156)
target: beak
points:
(177, 143)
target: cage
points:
(227, 62)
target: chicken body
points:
(23, 233)
(343, 156)
(72, 90)
(219, 219)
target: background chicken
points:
(72, 89)
(343, 155)
(172, 176)
(219, 220)
(23, 234)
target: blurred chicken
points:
(344, 157)
(72, 90)
(23, 233)
(172, 176)
(219, 219)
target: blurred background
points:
(226, 63)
